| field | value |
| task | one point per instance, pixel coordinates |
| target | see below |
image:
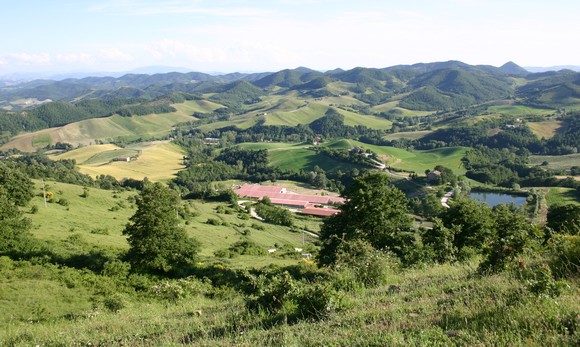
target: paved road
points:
(446, 197)
(252, 210)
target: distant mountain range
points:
(553, 68)
(424, 86)
(21, 77)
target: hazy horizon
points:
(249, 36)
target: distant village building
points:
(211, 140)
(434, 175)
(125, 159)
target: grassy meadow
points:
(560, 162)
(546, 129)
(158, 161)
(419, 160)
(520, 110)
(442, 305)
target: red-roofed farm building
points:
(280, 196)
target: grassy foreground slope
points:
(440, 305)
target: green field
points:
(41, 140)
(519, 110)
(301, 115)
(411, 135)
(562, 196)
(297, 156)
(373, 122)
(419, 160)
(560, 162)
(108, 156)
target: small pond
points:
(492, 199)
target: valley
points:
(120, 222)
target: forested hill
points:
(431, 87)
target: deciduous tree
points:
(157, 243)
(376, 211)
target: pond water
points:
(492, 199)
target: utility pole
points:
(44, 193)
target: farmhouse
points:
(125, 159)
(306, 204)
(434, 175)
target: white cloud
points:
(21, 58)
(115, 55)
(153, 8)
(76, 58)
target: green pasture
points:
(561, 196)
(519, 110)
(108, 156)
(189, 107)
(420, 160)
(373, 122)
(301, 115)
(40, 140)
(411, 135)
(556, 162)
(306, 159)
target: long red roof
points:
(276, 192)
(321, 212)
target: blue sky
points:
(244, 35)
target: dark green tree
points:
(16, 185)
(376, 212)
(439, 241)
(15, 190)
(564, 219)
(157, 243)
(14, 229)
(512, 233)
(475, 221)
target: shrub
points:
(114, 302)
(242, 247)
(368, 265)
(63, 202)
(283, 296)
(214, 221)
(116, 268)
(174, 290)
(317, 302)
(100, 231)
(539, 281)
(258, 227)
(565, 251)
